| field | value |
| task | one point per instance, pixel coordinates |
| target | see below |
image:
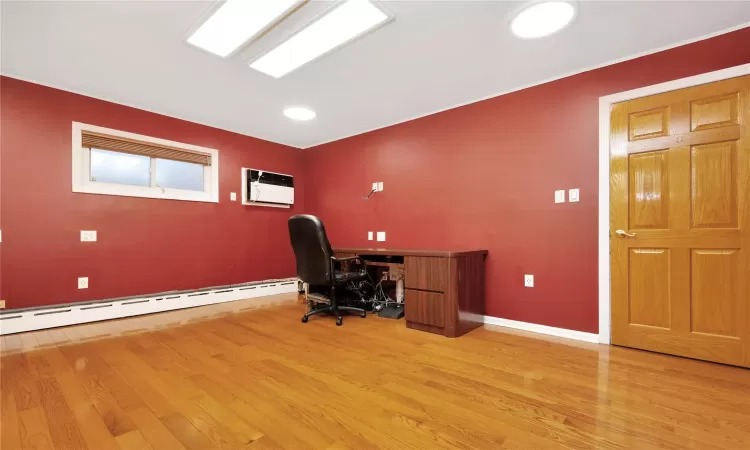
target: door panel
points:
(714, 112)
(714, 184)
(649, 124)
(649, 191)
(714, 292)
(680, 165)
(649, 296)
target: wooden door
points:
(680, 222)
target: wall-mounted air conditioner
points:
(260, 187)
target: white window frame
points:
(82, 170)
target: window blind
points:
(91, 139)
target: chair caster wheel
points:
(363, 315)
(304, 319)
(339, 321)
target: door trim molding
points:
(605, 104)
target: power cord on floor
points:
(379, 298)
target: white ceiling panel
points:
(434, 55)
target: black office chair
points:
(316, 264)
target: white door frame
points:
(605, 104)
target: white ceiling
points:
(433, 56)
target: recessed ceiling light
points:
(542, 18)
(236, 21)
(299, 113)
(334, 29)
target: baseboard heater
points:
(39, 318)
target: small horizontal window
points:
(120, 168)
(113, 162)
(179, 175)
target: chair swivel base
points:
(336, 311)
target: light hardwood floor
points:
(261, 379)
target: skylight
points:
(299, 113)
(236, 21)
(543, 18)
(334, 29)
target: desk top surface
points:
(408, 252)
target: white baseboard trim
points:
(74, 314)
(543, 329)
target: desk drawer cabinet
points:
(426, 273)
(427, 308)
(444, 295)
(443, 289)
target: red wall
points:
(479, 176)
(483, 176)
(144, 245)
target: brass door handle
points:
(623, 233)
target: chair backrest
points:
(311, 249)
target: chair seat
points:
(345, 277)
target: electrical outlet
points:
(83, 282)
(573, 195)
(375, 186)
(380, 186)
(528, 280)
(381, 236)
(369, 235)
(2, 304)
(560, 196)
(233, 196)
(88, 236)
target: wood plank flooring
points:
(262, 379)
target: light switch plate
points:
(83, 282)
(380, 186)
(381, 236)
(233, 196)
(88, 235)
(369, 235)
(560, 196)
(528, 280)
(573, 195)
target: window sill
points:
(145, 192)
(269, 205)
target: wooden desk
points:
(443, 289)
